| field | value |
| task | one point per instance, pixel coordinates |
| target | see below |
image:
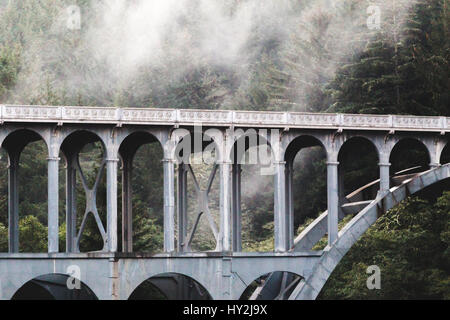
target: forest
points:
(288, 55)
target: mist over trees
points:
(312, 55)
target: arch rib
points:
(332, 255)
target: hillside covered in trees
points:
(312, 55)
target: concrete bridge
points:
(225, 272)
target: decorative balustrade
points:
(272, 119)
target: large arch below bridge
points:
(54, 287)
(170, 286)
(311, 287)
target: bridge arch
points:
(15, 144)
(132, 148)
(73, 142)
(357, 153)
(53, 287)
(332, 255)
(445, 154)
(305, 157)
(254, 161)
(409, 152)
(171, 286)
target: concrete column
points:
(236, 207)
(282, 229)
(13, 202)
(225, 207)
(333, 200)
(182, 206)
(71, 205)
(341, 190)
(384, 177)
(169, 205)
(111, 203)
(53, 204)
(127, 207)
(290, 201)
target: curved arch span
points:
(54, 287)
(332, 255)
(170, 286)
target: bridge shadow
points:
(53, 287)
(170, 286)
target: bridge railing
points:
(73, 114)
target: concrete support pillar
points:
(333, 200)
(341, 190)
(13, 201)
(225, 207)
(71, 205)
(111, 203)
(236, 207)
(127, 207)
(169, 205)
(53, 204)
(290, 200)
(384, 177)
(283, 240)
(182, 206)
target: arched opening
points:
(253, 192)
(358, 173)
(54, 287)
(27, 196)
(306, 175)
(409, 156)
(277, 285)
(170, 286)
(198, 199)
(445, 155)
(142, 186)
(85, 192)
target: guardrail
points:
(270, 119)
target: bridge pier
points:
(182, 206)
(13, 200)
(333, 200)
(53, 203)
(111, 203)
(71, 210)
(225, 238)
(236, 206)
(127, 206)
(169, 205)
(282, 221)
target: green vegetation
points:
(402, 68)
